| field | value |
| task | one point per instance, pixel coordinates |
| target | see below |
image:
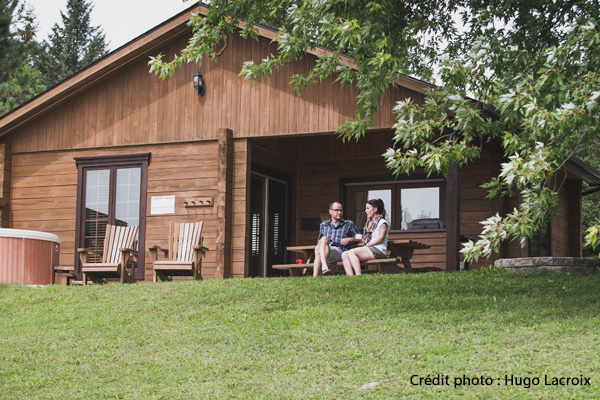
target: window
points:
(418, 203)
(404, 201)
(540, 243)
(110, 191)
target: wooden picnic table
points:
(400, 250)
(404, 249)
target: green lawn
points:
(294, 338)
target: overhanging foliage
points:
(536, 62)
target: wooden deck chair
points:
(118, 254)
(184, 255)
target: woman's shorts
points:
(376, 252)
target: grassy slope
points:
(333, 337)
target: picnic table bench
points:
(400, 251)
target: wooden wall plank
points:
(229, 77)
(118, 127)
(241, 207)
(182, 82)
(151, 112)
(264, 112)
(288, 114)
(244, 89)
(128, 132)
(187, 102)
(560, 226)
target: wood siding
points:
(5, 183)
(566, 237)
(559, 228)
(131, 106)
(45, 187)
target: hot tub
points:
(28, 257)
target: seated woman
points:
(375, 237)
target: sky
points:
(121, 20)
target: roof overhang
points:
(583, 170)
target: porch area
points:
(294, 179)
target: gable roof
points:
(131, 51)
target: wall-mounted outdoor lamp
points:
(199, 83)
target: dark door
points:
(268, 221)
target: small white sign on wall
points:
(162, 205)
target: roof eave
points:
(583, 170)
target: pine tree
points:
(73, 45)
(19, 78)
(7, 9)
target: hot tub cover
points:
(25, 234)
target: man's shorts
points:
(335, 254)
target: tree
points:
(8, 52)
(19, 79)
(541, 73)
(73, 45)
(536, 62)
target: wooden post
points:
(224, 203)
(453, 218)
(574, 215)
(5, 179)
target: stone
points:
(576, 265)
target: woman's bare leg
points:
(357, 255)
(347, 264)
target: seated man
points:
(335, 235)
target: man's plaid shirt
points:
(335, 233)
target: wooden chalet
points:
(255, 162)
